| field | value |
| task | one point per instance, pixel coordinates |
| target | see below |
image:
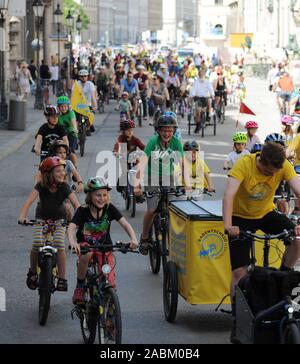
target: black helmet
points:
(50, 110)
(57, 144)
(189, 146)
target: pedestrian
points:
(54, 71)
(23, 79)
(32, 70)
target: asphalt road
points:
(140, 292)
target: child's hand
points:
(134, 244)
(80, 187)
(76, 247)
(23, 219)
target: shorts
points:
(72, 143)
(201, 101)
(58, 238)
(286, 96)
(272, 223)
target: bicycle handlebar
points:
(118, 246)
(61, 222)
(284, 234)
(174, 192)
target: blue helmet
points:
(170, 114)
(256, 148)
(276, 138)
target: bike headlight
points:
(291, 310)
(106, 269)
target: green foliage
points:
(76, 9)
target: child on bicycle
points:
(239, 150)
(251, 127)
(132, 143)
(52, 191)
(287, 123)
(49, 132)
(67, 119)
(124, 106)
(93, 221)
(198, 170)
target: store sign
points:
(17, 8)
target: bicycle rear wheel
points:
(45, 289)
(110, 322)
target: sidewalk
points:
(12, 140)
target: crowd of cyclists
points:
(256, 168)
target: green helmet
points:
(96, 183)
(240, 138)
(63, 100)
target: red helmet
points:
(51, 162)
(127, 124)
(251, 125)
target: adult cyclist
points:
(143, 83)
(131, 86)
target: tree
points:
(76, 9)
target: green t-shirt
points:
(65, 121)
(162, 159)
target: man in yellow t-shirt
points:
(248, 205)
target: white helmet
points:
(83, 72)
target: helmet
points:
(276, 138)
(256, 148)
(166, 120)
(51, 162)
(63, 100)
(140, 67)
(189, 146)
(287, 120)
(125, 94)
(170, 114)
(50, 110)
(251, 125)
(57, 144)
(239, 138)
(96, 183)
(83, 72)
(127, 124)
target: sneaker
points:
(78, 296)
(32, 280)
(144, 246)
(88, 132)
(62, 285)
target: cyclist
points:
(102, 82)
(256, 148)
(124, 106)
(93, 220)
(248, 205)
(198, 170)
(286, 88)
(130, 85)
(117, 78)
(287, 123)
(143, 83)
(52, 192)
(67, 119)
(49, 132)
(89, 91)
(158, 94)
(162, 152)
(201, 91)
(251, 127)
(221, 88)
(239, 150)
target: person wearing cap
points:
(143, 83)
(51, 191)
(93, 221)
(163, 72)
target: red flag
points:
(244, 109)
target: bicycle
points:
(219, 108)
(140, 111)
(82, 129)
(278, 322)
(46, 93)
(101, 310)
(47, 270)
(101, 102)
(158, 239)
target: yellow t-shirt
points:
(295, 146)
(255, 196)
(197, 171)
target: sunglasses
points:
(83, 76)
(154, 79)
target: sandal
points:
(32, 280)
(144, 246)
(62, 285)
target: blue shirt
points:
(130, 87)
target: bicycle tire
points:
(291, 334)
(215, 125)
(89, 319)
(223, 110)
(154, 250)
(140, 112)
(170, 292)
(112, 313)
(133, 205)
(127, 201)
(82, 139)
(203, 119)
(45, 289)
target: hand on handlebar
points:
(23, 220)
(232, 231)
(137, 191)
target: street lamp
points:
(70, 25)
(3, 102)
(58, 19)
(38, 10)
(79, 27)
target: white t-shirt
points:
(88, 90)
(54, 70)
(233, 157)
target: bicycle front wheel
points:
(291, 334)
(110, 321)
(45, 289)
(88, 320)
